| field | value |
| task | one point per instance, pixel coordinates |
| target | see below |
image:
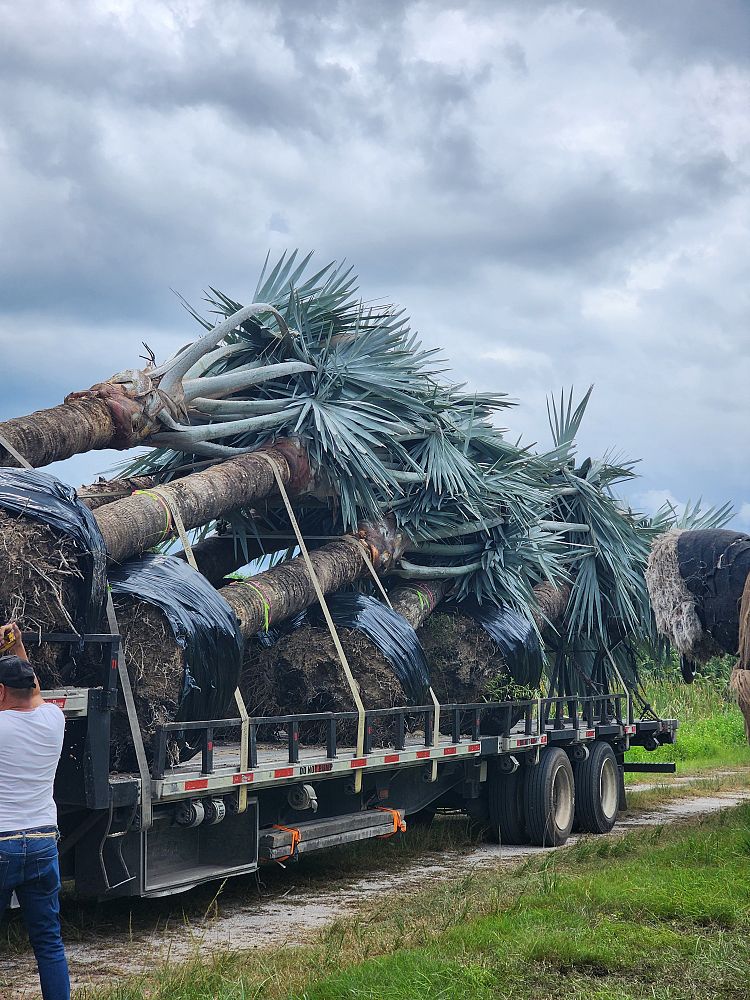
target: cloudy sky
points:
(556, 191)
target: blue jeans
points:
(29, 866)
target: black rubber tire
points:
(597, 789)
(549, 799)
(505, 801)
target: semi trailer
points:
(259, 790)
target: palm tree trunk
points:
(138, 522)
(416, 603)
(219, 555)
(96, 495)
(76, 426)
(552, 602)
(264, 600)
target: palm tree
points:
(137, 405)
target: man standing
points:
(31, 739)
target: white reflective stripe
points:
(73, 701)
(281, 772)
(522, 742)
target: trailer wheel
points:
(549, 799)
(505, 802)
(597, 782)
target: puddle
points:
(250, 921)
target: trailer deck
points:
(217, 767)
(252, 790)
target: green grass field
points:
(711, 731)
(663, 912)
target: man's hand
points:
(17, 649)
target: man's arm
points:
(17, 649)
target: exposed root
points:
(156, 669)
(464, 663)
(40, 589)
(744, 660)
(739, 682)
(674, 606)
(466, 667)
(302, 673)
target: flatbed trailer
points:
(256, 791)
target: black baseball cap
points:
(16, 673)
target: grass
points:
(711, 731)
(662, 911)
(664, 790)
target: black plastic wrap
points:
(204, 627)
(714, 565)
(513, 634)
(272, 636)
(388, 631)
(40, 497)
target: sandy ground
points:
(248, 918)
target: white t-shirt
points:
(30, 746)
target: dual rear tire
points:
(541, 803)
(597, 790)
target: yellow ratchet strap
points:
(353, 686)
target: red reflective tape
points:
(590, 733)
(391, 758)
(114, 664)
(543, 739)
(423, 753)
(283, 772)
(448, 751)
(474, 747)
(195, 784)
(359, 762)
(242, 779)
(209, 745)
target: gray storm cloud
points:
(556, 192)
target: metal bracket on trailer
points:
(74, 702)
(521, 742)
(244, 748)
